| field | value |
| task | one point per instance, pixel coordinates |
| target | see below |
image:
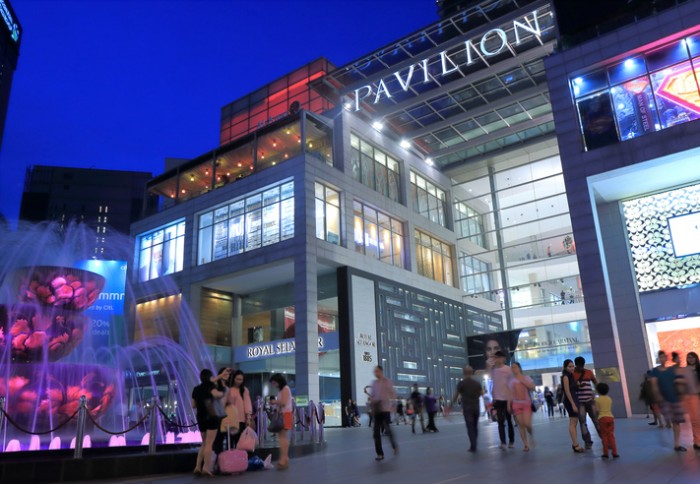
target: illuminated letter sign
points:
(490, 44)
(11, 23)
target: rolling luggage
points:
(232, 461)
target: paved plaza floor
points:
(440, 458)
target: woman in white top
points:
(284, 402)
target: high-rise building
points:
(107, 201)
(10, 38)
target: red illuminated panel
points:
(681, 340)
(680, 87)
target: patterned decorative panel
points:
(422, 337)
(655, 263)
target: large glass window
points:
(327, 214)
(434, 258)
(378, 235)
(469, 224)
(429, 200)
(474, 274)
(375, 168)
(641, 94)
(161, 251)
(247, 223)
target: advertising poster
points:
(287, 219)
(220, 240)
(236, 235)
(253, 230)
(107, 313)
(483, 347)
(271, 224)
(364, 336)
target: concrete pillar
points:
(236, 325)
(306, 326)
(627, 350)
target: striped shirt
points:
(584, 380)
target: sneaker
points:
(510, 446)
(680, 448)
(604, 456)
(616, 456)
(652, 423)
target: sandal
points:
(526, 449)
(578, 449)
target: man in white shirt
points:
(501, 375)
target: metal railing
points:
(309, 419)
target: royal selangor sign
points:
(492, 43)
(284, 347)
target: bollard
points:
(260, 412)
(293, 437)
(312, 421)
(80, 432)
(153, 427)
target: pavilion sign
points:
(490, 44)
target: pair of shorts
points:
(208, 423)
(521, 408)
(288, 421)
(673, 412)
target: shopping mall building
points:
(392, 210)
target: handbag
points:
(230, 423)
(276, 421)
(248, 440)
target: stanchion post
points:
(80, 432)
(312, 422)
(293, 437)
(260, 412)
(2, 411)
(322, 418)
(153, 427)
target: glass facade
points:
(246, 223)
(327, 214)
(517, 250)
(378, 235)
(161, 251)
(429, 200)
(644, 93)
(434, 258)
(375, 168)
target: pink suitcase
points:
(232, 461)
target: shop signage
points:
(284, 347)
(490, 44)
(11, 23)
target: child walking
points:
(606, 420)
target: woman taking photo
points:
(520, 403)
(571, 402)
(239, 398)
(205, 400)
(284, 404)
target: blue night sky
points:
(123, 84)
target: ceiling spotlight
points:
(405, 144)
(378, 125)
(429, 161)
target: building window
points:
(374, 168)
(161, 251)
(642, 94)
(247, 223)
(434, 258)
(428, 199)
(474, 274)
(327, 214)
(469, 224)
(378, 235)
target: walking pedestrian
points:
(431, 407)
(500, 376)
(571, 403)
(417, 403)
(606, 421)
(520, 403)
(663, 379)
(691, 399)
(646, 394)
(468, 392)
(400, 412)
(284, 402)
(549, 399)
(382, 395)
(560, 400)
(586, 404)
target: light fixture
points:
(629, 63)
(378, 125)
(183, 190)
(274, 144)
(240, 165)
(251, 167)
(348, 105)
(206, 172)
(286, 155)
(311, 145)
(405, 144)
(191, 177)
(274, 163)
(578, 81)
(288, 131)
(228, 173)
(429, 161)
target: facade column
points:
(306, 327)
(236, 324)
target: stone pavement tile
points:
(441, 458)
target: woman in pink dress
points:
(239, 397)
(520, 403)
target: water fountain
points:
(49, 358)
